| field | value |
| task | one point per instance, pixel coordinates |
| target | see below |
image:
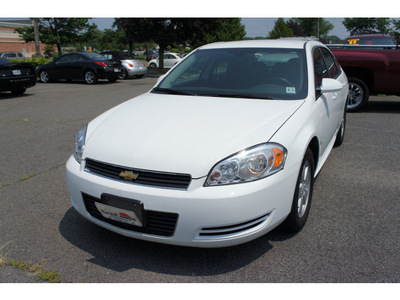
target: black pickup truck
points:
(16, 77)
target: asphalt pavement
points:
(352, 234)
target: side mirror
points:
(330, 85)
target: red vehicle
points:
(372, 65)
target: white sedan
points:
(170, 60)
(222, 150)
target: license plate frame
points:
(123, 210)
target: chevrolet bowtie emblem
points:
(128, 175)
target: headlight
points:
(80, 139)
(248, 165)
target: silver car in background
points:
(133, 68)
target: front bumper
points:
(205, 216)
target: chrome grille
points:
(145, 177)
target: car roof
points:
(295, 43)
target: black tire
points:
(298, 215)
(18, 91)
(44, 76)
(342, 130)
(358, 94)
(152, 65)
(123, 74)
(90, 77)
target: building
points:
(10, 41)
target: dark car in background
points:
(89, 67)
(16, 77)
(11, 55)
(131, 67)
(151, 54)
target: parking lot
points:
(352, 234)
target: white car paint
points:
(189, 135)
(170, 59)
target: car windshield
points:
(4, 61)
(264, 73)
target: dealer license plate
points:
(16, 72)
(118, 214)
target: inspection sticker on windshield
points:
(16, 72)
(118, 214)
(290, 90)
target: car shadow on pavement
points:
(120, 253)
(377, 105)
(8, 95)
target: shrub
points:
(35, 61)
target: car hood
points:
(183, 134)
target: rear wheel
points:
(358, 94)
(123, 74)
(301, 204)
(90, 77)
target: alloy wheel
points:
(90, 77)
(355, 96)
(304, 189)
(44, 76)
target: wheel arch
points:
(314, 147)
(364, 74)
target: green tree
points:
(281, 29)
(318, 27)
(367, 25)
(59, 31)
(173, 31)
(395, 32)
(227, 29)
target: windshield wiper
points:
(172, 91)
(249, 96)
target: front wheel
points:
(358, 94)
(90, 77)
(44, 76)
(301, 204)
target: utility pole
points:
(36, 32)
